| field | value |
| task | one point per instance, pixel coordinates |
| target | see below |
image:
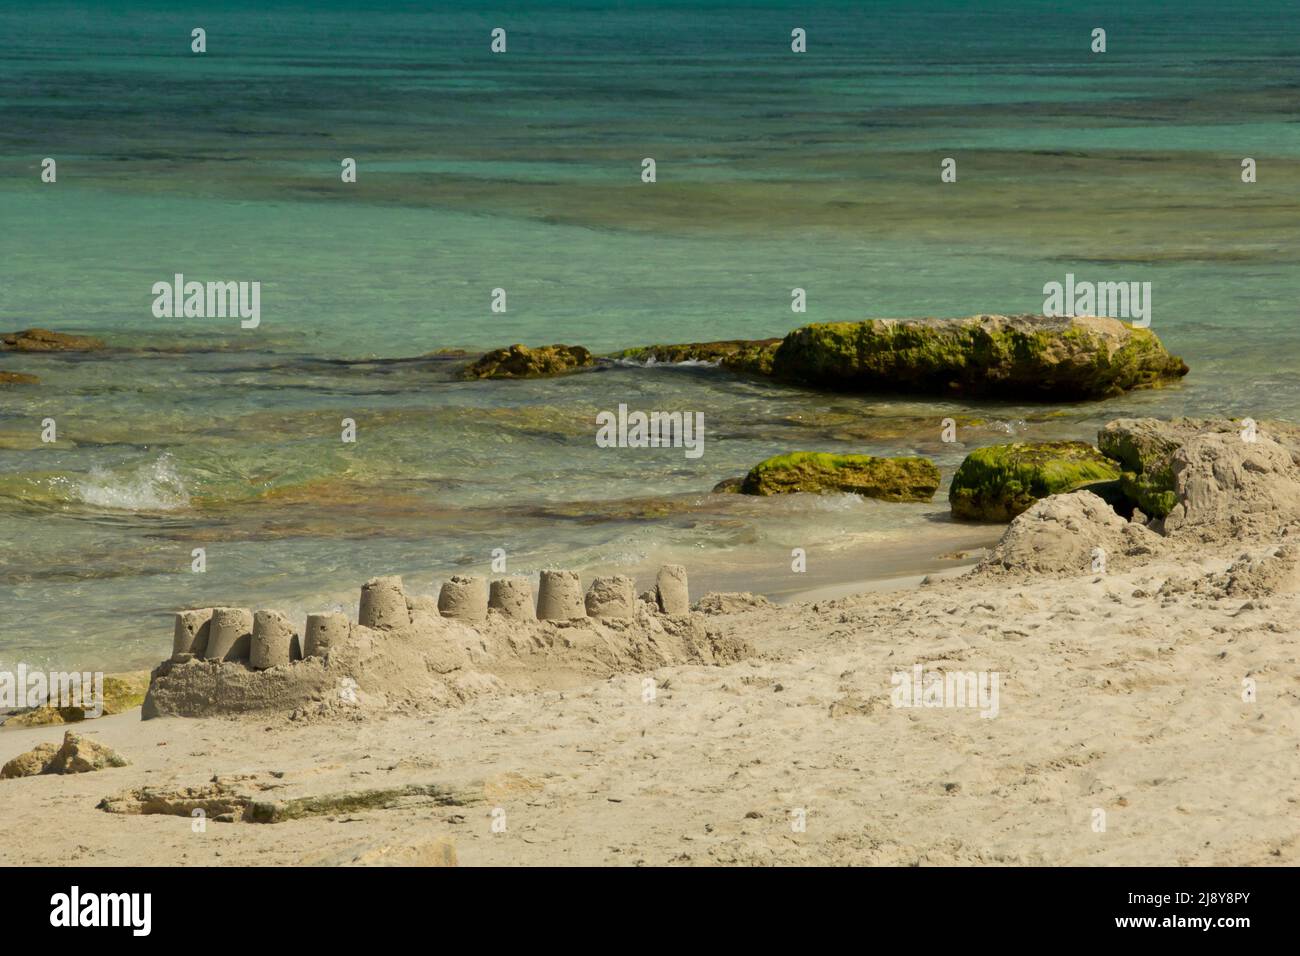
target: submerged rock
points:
(43, 340)
(1029, 357)
(747, 356)
(520, 361)
(999, 482)
(18, 378)
(890, 479)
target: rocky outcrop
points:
(999, 482)
(520, 361)
(1025, 357)
(77, 754)
(120, 692)
(1224, 481)
(889, 479)
(1221, 479)
(43, 340)
(31, 763)
(1031, 357)
(1145, 449)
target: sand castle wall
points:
(417, 652)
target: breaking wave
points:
(155, 486)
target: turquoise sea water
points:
(522, 171)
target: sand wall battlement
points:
(414, 651)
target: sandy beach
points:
(663, 435)
(1120, 699)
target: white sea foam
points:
(155, 486)
(652, 362)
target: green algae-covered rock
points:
(1001, 481)
(121, 693)
(1145, 448)
(890, 479)
(1028, 357)
(744, 356)
(520, 361)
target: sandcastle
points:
(227, 659)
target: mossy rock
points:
(1001, 481)
(1025, 357)
(889, 479)
(121, 693)
(743, 356)
(1144, 448)
(520, 361)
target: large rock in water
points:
(1001, 481)
(1026, 357)
(43, 340)
(890, 479)
(520, 361)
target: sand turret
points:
(464, 597)
(275, 641)
(383, 604)
(191, 632)
(324, 631)
(513, 597)
(671, 589)
(612, 596)
(230, 634)
(559, 596)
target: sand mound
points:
(1076, 533)
(436, 661)
(728, 602)
(1220, 479)
(1272, 571)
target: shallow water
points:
(522, 171)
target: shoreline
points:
(590, 774)
(1108, 678)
